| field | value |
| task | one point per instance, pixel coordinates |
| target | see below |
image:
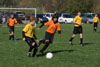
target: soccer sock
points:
(13, 37)
(10, 37)
(30, 49)
(71, 39)
(34, 52)
(95, 30)
(45, 47)
(81, 40)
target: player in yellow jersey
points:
(77, 28)
(95, 22)
(30, 37)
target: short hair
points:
(32, 18)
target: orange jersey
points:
(52, 27)
(12, 22)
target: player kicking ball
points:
(77, 28)
(95, 22)
(30, 37)
(53, 25)
(11, 23)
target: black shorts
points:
(49, 37)
(11, 28)
(78, 30)
(29, 41)
(95, 24)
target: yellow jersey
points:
(29, 30)
(77, 19)
(95, 19)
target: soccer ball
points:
(49, 55)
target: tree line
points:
(65, 6)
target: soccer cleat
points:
(29, 54)
(70, 42)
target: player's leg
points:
(71, 39)
(28, 41)
(81, 39)
(95, 26)
(13, 33)
(29, 52)
(74, 35)
(43, 40)
(10, 31)
(35, 49)
(45, 47)
(33, 45)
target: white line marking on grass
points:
(15, 26)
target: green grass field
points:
(13, 54)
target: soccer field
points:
(13, 53)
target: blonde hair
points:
(32, 18)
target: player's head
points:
(55, 18)
(32, 20)
(79, 13)
(12, 15)
(96, 15)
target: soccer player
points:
(95, 22)
(53, 25)
(77, 28)
(11, 23)
(30, 37)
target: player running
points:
(77, 28)
(53, 25)
(11, 23)
(30, 37)
(95, 22)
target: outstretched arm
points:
(40, 26)
(59, 29)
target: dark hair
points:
(55, 16)
(32, 18)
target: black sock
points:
(71, 39)
(45, 47)
(10, 37)
(95, 30)
(13, 37)
(34, 52)
(81, 40)
(30, 49)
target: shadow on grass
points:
(88, 44)
(54, 52)
(19, 39)
(5, 33)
